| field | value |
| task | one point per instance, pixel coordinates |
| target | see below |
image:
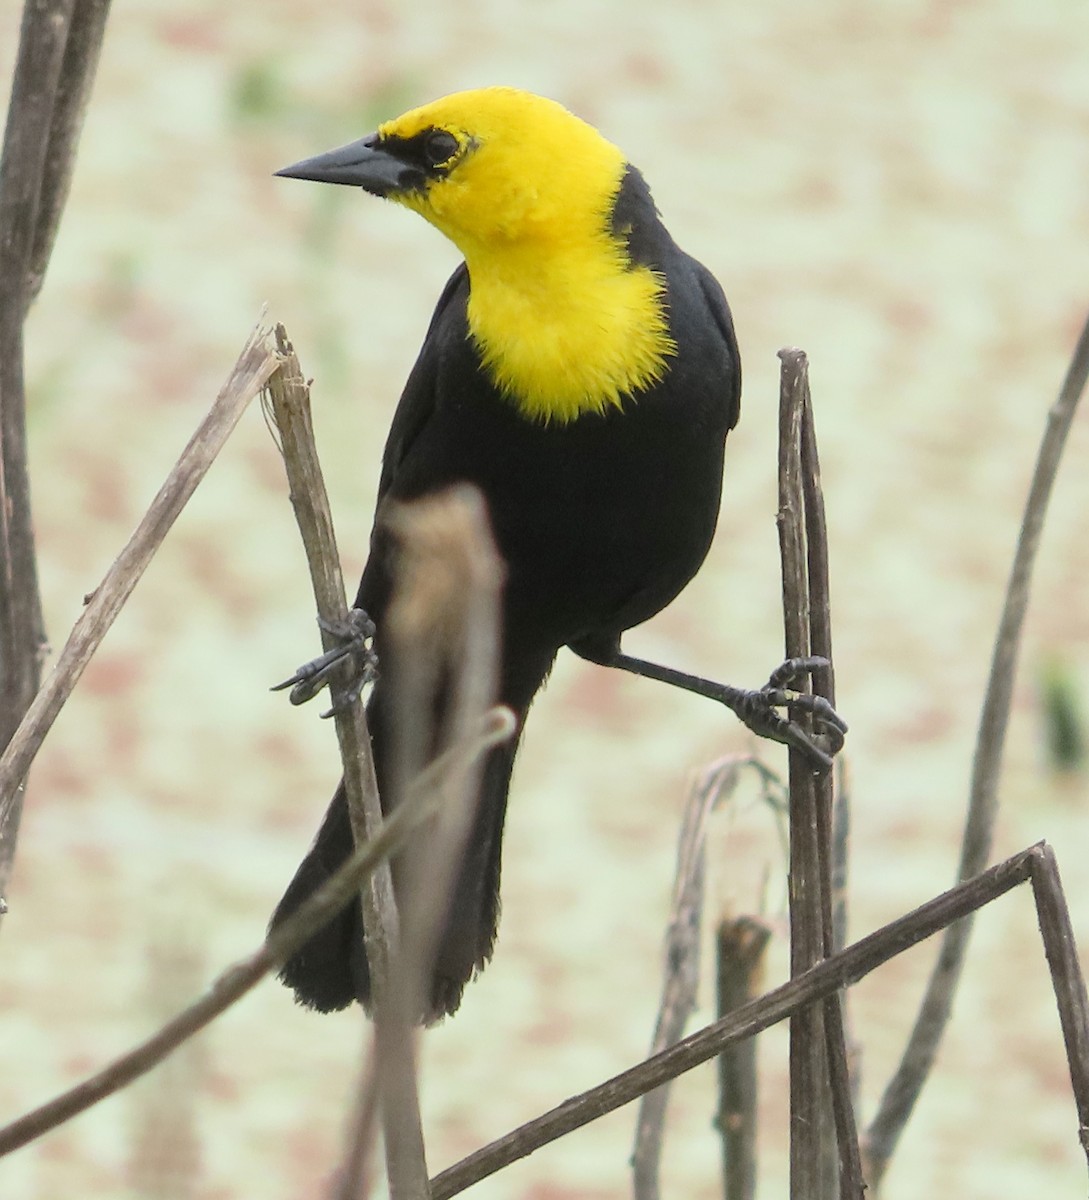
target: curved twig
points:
(255, 364)
(907, 1082)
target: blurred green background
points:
(900, 188)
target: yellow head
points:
(520, 168)
(565, 323)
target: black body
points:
(601, 522)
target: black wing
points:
(720, 310)
(417, 401)
(414, 410)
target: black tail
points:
(330, 970)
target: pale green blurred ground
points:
(902, 189)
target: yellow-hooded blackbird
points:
(581, 370)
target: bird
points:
(582, 372)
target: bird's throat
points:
(572, 332)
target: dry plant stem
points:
(82, 48)
(289, 397)
(678, 992)
(402, 1127)
(823, 1081)
(1061, 950)
(682, 965)
(58, 54)
(741, 945)
(841, 832)
(906, 1084)
(253, 368)
(237, 980)
(812, 1158)
(816, 544)
(841, 838)
(820, 981)
(831, 837)
(442, 624)
(290, 401)
(446, 777)
(22, 164)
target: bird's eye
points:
(439, 147)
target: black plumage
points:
(601, 522)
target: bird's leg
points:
(356, 638)
(756, 709)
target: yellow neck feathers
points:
(564, 322)
(567, 333)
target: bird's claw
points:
(355, 637)
(758, 710)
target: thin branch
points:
(910, 1076)
(816, 547)
(1060, 948)
(820, 981)
(82, 47)
(58, 51)
(22, 631)
(831, 815)
(841, 833)
(841, 839)
(741, 945)
(790, 518)
(682, 966)
(38, 66)
(426, 798)
(812, 1157)
(441, 634)
(254, 366)
(289, 397)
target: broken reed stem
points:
(907, 1082)
(448, 771)
(832, 816)
(440, 645)
(442, 633)
(682, 963)
(255, 365)
(841, 832)
(289, 398)
(819, 1090)
(741, 944)
(841, 838)
(810, 1130)
(1067, 980)
(825, 979)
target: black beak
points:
(363, 164)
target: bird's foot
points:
(757, 710)
(356, 638)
